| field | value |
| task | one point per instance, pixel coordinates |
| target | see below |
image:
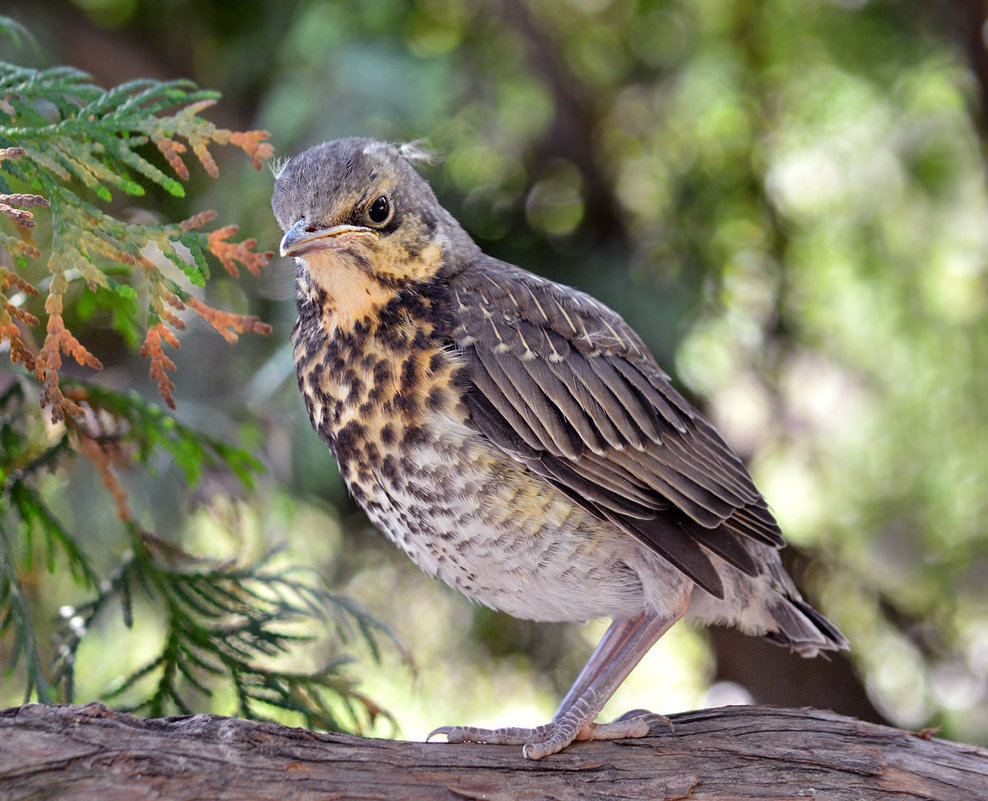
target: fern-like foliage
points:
(221, 622)
(67, 143)
(224, 622)
(15, 33)
(67, 148)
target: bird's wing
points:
(562, 383)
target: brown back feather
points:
(562, 383)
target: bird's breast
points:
(374, 392)
(390, 406)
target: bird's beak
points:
(302, 237)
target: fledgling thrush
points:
(515, 437)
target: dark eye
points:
(380, 210)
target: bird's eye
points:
(380, 210)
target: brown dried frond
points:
(19, 350)
(9, 314)
(19, 216)
(27, 200)
(172, 151)
(228, 324)
(12, 153)
(23, 246)
(199, 133)
(160, 363)
(17, 313)
(229, 252)
(172, 319)
(200, 146)
(12, 206)
(59, 340)
(51, 397)
(197, 221)
(253, 144)
(9, 279)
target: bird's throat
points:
(348, 292)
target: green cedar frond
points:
(39, 519)
(13, 30)
(68, 147)
(72, 144)
(128, 419)
(222, 622)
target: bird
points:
(515, 436)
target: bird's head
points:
(357, 210)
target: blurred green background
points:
(787, 199)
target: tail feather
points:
(803, 629)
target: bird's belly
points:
(477, 520)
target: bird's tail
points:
(801, 628)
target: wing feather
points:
(559, 396)
(542, 417)
(562, 471)
(617, 424)
(497, 400)
(655, 398)
(561, 383)
(678, 547)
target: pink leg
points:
(617, 634)
(622, 647)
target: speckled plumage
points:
(514, 436)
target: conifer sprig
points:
(69, 151)
(224, 624)
(70, 145)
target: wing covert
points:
(562, 384)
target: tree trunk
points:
(88, 752)
(779, 677)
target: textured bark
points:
(88, 752)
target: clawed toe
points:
(447, 730)
(537, 742)
(648, 717)
(616, 730)
(512, 735)
(553, 737)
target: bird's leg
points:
(622, 647)
(616, 635)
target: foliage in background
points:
(69, 146)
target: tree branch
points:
(88, 752)
(570, 135)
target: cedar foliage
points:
(68, 147)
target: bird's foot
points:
(550, 738)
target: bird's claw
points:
(447, 730)
(553, 737)
(648, 717)
(509, 735)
